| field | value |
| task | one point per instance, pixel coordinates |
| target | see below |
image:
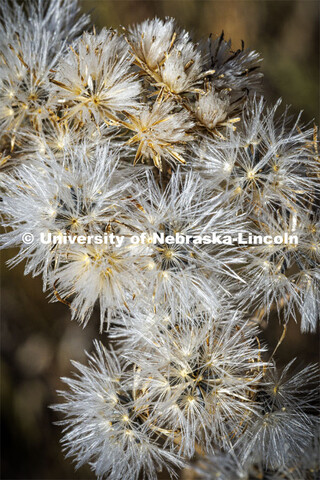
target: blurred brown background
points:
(37, 338)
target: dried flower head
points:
(172, 224)
(197, 382)
(160, 133)
(103, 427)
(27, 57)
(284, 429)
(167, 55)
(94, 79)
(79, 197)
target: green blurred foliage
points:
(37, 338)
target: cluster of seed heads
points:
(142, 131)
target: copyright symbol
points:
(27, 238)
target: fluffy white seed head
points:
(34, 36)
(284, 429)
(151, 39)
(160, 133)
(94, 79)
(199, 381)
(103, 427)
(79, 197)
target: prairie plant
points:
(148, 157)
